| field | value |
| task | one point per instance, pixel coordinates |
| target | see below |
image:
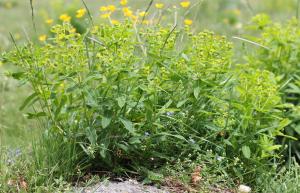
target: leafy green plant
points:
(126, 99)
(285, 180)
(281, 56)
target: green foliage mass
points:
(281, 56)
(124, 98)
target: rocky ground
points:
(130, 186)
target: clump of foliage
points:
(126, 99)
(281, 56)
(285, 180)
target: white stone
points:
(244, 189)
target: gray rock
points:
(130, 186)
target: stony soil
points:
(130, 186)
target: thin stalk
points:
(32, 15)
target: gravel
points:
(130, 186)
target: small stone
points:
(244, 189)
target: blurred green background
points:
(223, 16)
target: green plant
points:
(281, 56)
(286, 180)
(124, 98)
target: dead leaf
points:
(196, 176)
(23, 183)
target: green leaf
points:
(246, 151)
(121, 101)
(135, 140)
(273, 147)
(17, 75)
(283, 124)
(227, 142)
(28, 100)
(91, 135)
(73, 88)
(123, 147)
(167, 104)
(185, 57)
(105, 121)
(84, 149)
(180, 103)
(171, 135)
(297, 129)
(35, 115)
(103, 153)
(61, 104)
(128, 125)
(196, 92)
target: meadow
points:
(198, 96)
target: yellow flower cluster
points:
(107, 11)
(142, 14)
(123, 2)
(80, 13)
(188, 22)
(43, 37)
(185, 4)
(159, 5)
(114, 22)
(127, 12)
(105, 15)
(65, 18)
(110, 8)
(49, 21)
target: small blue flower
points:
(170, 114)
(147, 134)
(18, 152)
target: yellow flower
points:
(65, 18)
(105, 15)
(49, 21)
(188, 22)
(159, 5)
(103, 8)
(134, 17)
(123, 2)
(127, 12)
(114, 22)
(143, 13)
(43, 37)
(80, 13)
(185, 4)
(111, 8)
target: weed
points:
(121, 99)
